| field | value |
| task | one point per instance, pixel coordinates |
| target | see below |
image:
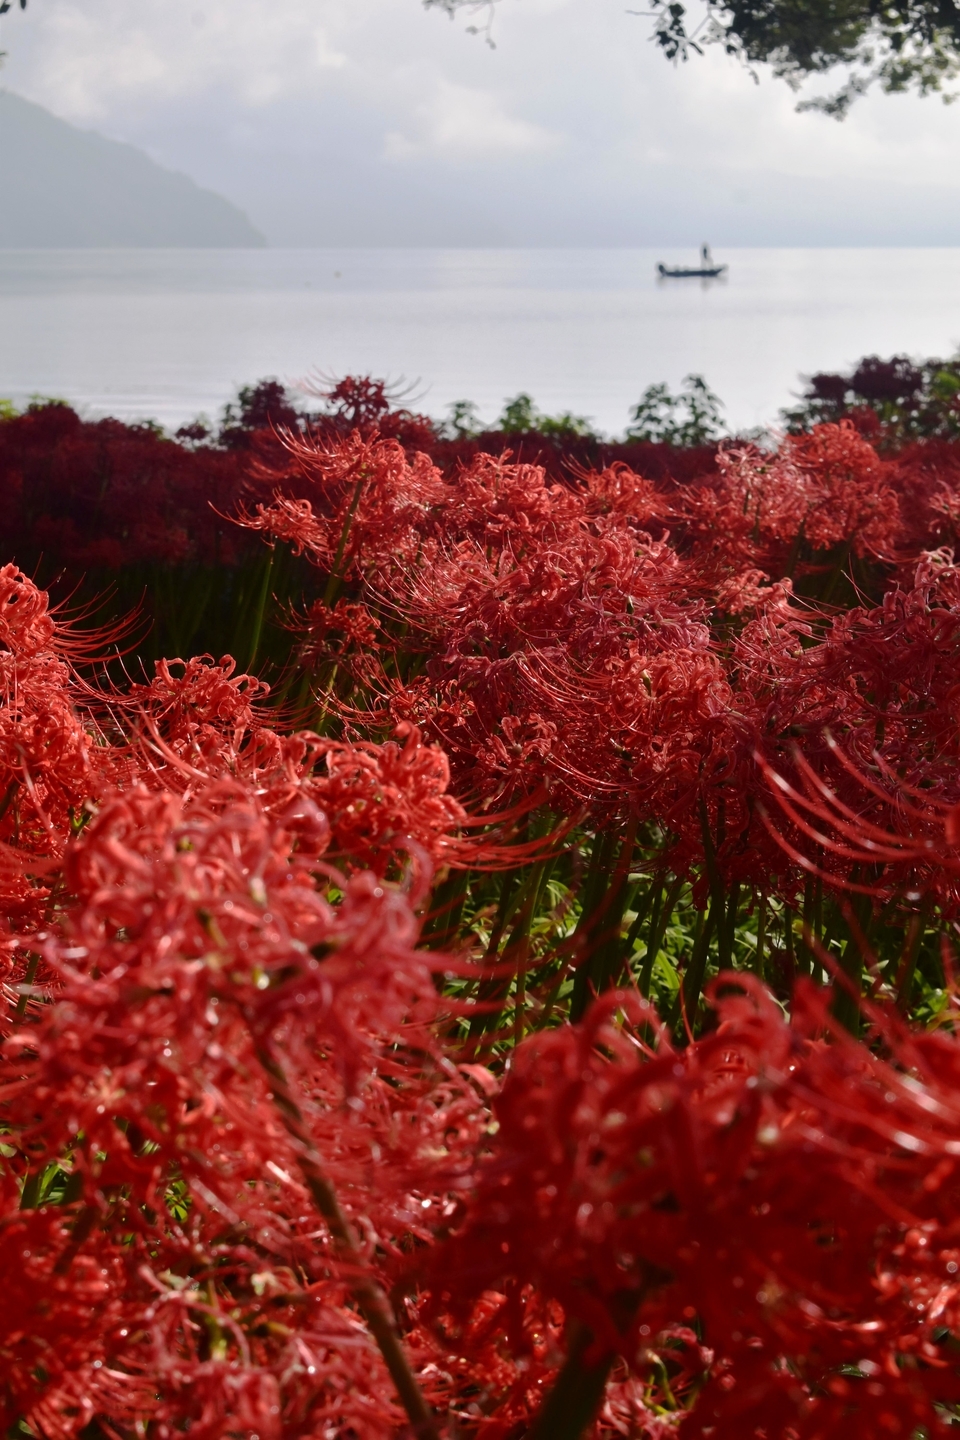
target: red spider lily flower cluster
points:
(201, 949)
(581, 636)
(250, 1186)
(540, 608)
(183, 1255)
(51, 760)
(822, 490)
(254, 1178)
(226, 1109)
(207, 722)
(634, 647)
(796, 1195)
(868, 712)
(92, 494)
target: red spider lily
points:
(205, 695)
(797, 1195)
(587, 669)
(820, 490)
(200, 950)
(330, 633)
(564, 652)
(926, 479)
(364, 497)
(207, 720)
(364, 803)
(361, 403)
(851, 499)
(917, 861)
(229, 896)
(379, 798)
(51, 762)
(875, 694)
(402, 504)
(563, 645)
(200, 938)
(555, 644)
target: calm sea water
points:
(166, 334)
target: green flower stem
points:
(572, 1405)
(603, 924)
(28, 979)
(335, 579)
(260, 611)
(369, 1295)
(659, 921)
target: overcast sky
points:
(375, 122)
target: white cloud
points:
(327, 57)
(461, 121)
(86, 59)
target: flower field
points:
(479, 931)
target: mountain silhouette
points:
(65, 187)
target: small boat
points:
(706, 270)
(678, 272)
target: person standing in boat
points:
(706, 259)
